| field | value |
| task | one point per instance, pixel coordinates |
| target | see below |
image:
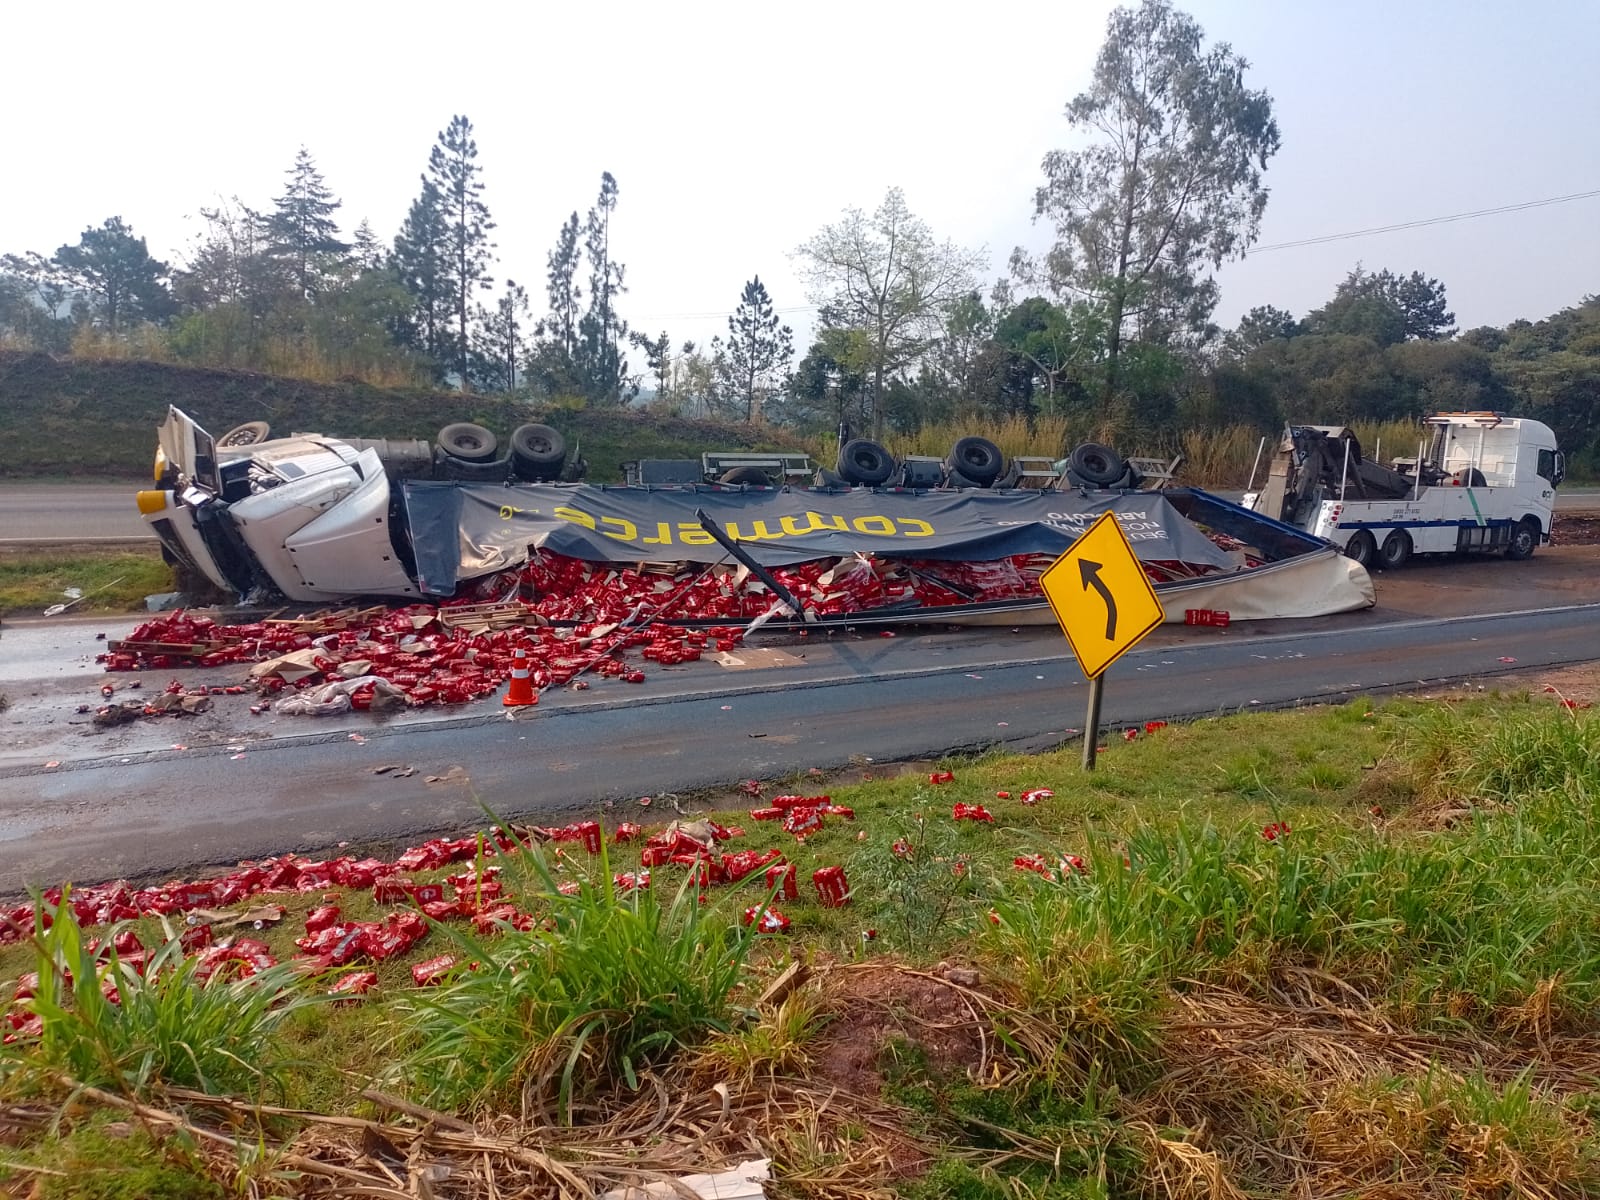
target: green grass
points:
(167, 1027)
(1463, 911)
(608, 983)
(111, 582)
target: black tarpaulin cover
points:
(464, 530)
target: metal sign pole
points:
(1091, 724)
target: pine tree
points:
(419, 258)
(467, 252)
(757, 348)
(561, 286)
(115, 270)
(501, 346)
(302, 227)
(601, 333)
(367, 250)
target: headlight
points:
(161, 464)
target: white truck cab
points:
(1481, 481)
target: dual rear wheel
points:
(1395, 552)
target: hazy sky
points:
(737, 130)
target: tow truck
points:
(1480, 482)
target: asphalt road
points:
(158, 811)
(70, 512)
(89, 512)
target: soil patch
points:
(878, 1005)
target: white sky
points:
(736, 130)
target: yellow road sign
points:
(1101, 596)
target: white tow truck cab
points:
(1481, 481)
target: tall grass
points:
(166, 1027)
(608, 983)
(1489, 922)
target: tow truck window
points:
(1547, 465)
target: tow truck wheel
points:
(1396, 551)
(1361, 548)
(1524, 540)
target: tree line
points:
(1111, 325)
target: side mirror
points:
(1560, 471)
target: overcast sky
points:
(737, 130)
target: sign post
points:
(1105, 604)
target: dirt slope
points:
(66, 416)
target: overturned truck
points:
(314, 519)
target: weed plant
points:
(166, 1026)
(607, 983)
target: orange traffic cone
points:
(520, 692)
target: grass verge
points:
(1331, 952)
(109, 582)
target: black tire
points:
(1395, 551)
(447, 466)
(247, 434)
(830, 479)
(865, 463)
(1361, 547)
(753, 476)
(1524, 539)
(1100, 465)
(468, 442)
(1471, 477)
(978, 459)
(537, 452)
(955, 479)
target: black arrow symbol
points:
(1090, 571)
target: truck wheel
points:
(537, 452)
(247, 434)
(865, 463)
(978, 459)
(1396, 550)
(1524, 539)
(1100, 465)
(1361, 547)
(468, 442)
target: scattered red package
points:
(1152, 726)
(746, 862)
(766, 814)
(432, 970)
(320, 918)
(1033, 795)
(442, 910)
(1034, 863)
(627, 831)
(942, 777)
(629, 881)
(972, 812)
(389, 890)
(802, 821)
(357, 983)
(833, 889)
(772, 921)
(782, 877)
(425, 893)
